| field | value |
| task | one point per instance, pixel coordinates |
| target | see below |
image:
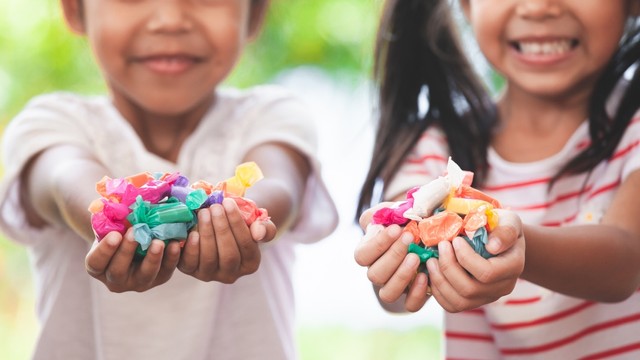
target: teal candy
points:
(478, 242)
(195, 199)
(424, 253)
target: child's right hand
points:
(224, 248)
(460, 279)
(112, 261)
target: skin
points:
(162, 61)
(545, 100)
(542, 106)
(459, 280)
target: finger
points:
(263, 231)
(247, 247)
(375, 243)
(386, 266)
(505, 235)
(418, 293)
(441, 290)
(190, 257)
(365, 218)
(228, 252)
(208, 261)
(400, 280)
(101, 253)
(120, 266)
(472, 263)
(170, 260)
(146, 273)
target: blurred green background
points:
(38, 54)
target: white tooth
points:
(545, 48)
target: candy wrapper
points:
(441, 210)
(163, 205)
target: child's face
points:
(164, 56)
(549, 47)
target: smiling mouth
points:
(169, 64)
(553, 47)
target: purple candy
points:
(216, 197)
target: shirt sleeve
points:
(283, 118)
(425, 162)
(46, 121)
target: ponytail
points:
(418, 52)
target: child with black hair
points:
(163, 63)
(560, 148)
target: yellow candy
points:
(246, 175)
(492, 219)
(464, 206)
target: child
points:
(560, 149)
(232, 296)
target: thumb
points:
(506, 234)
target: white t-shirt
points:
(184, 318)
(533, 322)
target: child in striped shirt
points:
(559, 148)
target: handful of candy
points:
(441, 210)
(163, 205)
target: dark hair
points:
(606, 131)
(417, 51)
(417, 47)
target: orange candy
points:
(442, 226)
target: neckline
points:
(552, 162)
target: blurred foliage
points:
(39, 54)
(378, 344)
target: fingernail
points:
(372, 230)
(410, 262)
(407, 238)
(216, 210)
(494, 245)
(112, 240)
(155, 248)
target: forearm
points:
(61, 185)
(279, 201)
(596, 262)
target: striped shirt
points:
(533, 322)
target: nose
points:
(539, 9)
(170, 16)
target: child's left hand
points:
(223, 248)
(463, 280)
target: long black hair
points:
(418, 51)
(418, 48)
(605, 130)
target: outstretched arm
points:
(59, 185)
(598, 262)
(224, 248)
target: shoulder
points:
(61, 106)
(64, 101)
(265, 99)
(59, 115)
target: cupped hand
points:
(391, 269)
(223, 248)
(463, 280)
(112, 261)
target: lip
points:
(549, 58)
(168, 64)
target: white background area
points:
(331, 288)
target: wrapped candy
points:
(441, 210)
(163, 205)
